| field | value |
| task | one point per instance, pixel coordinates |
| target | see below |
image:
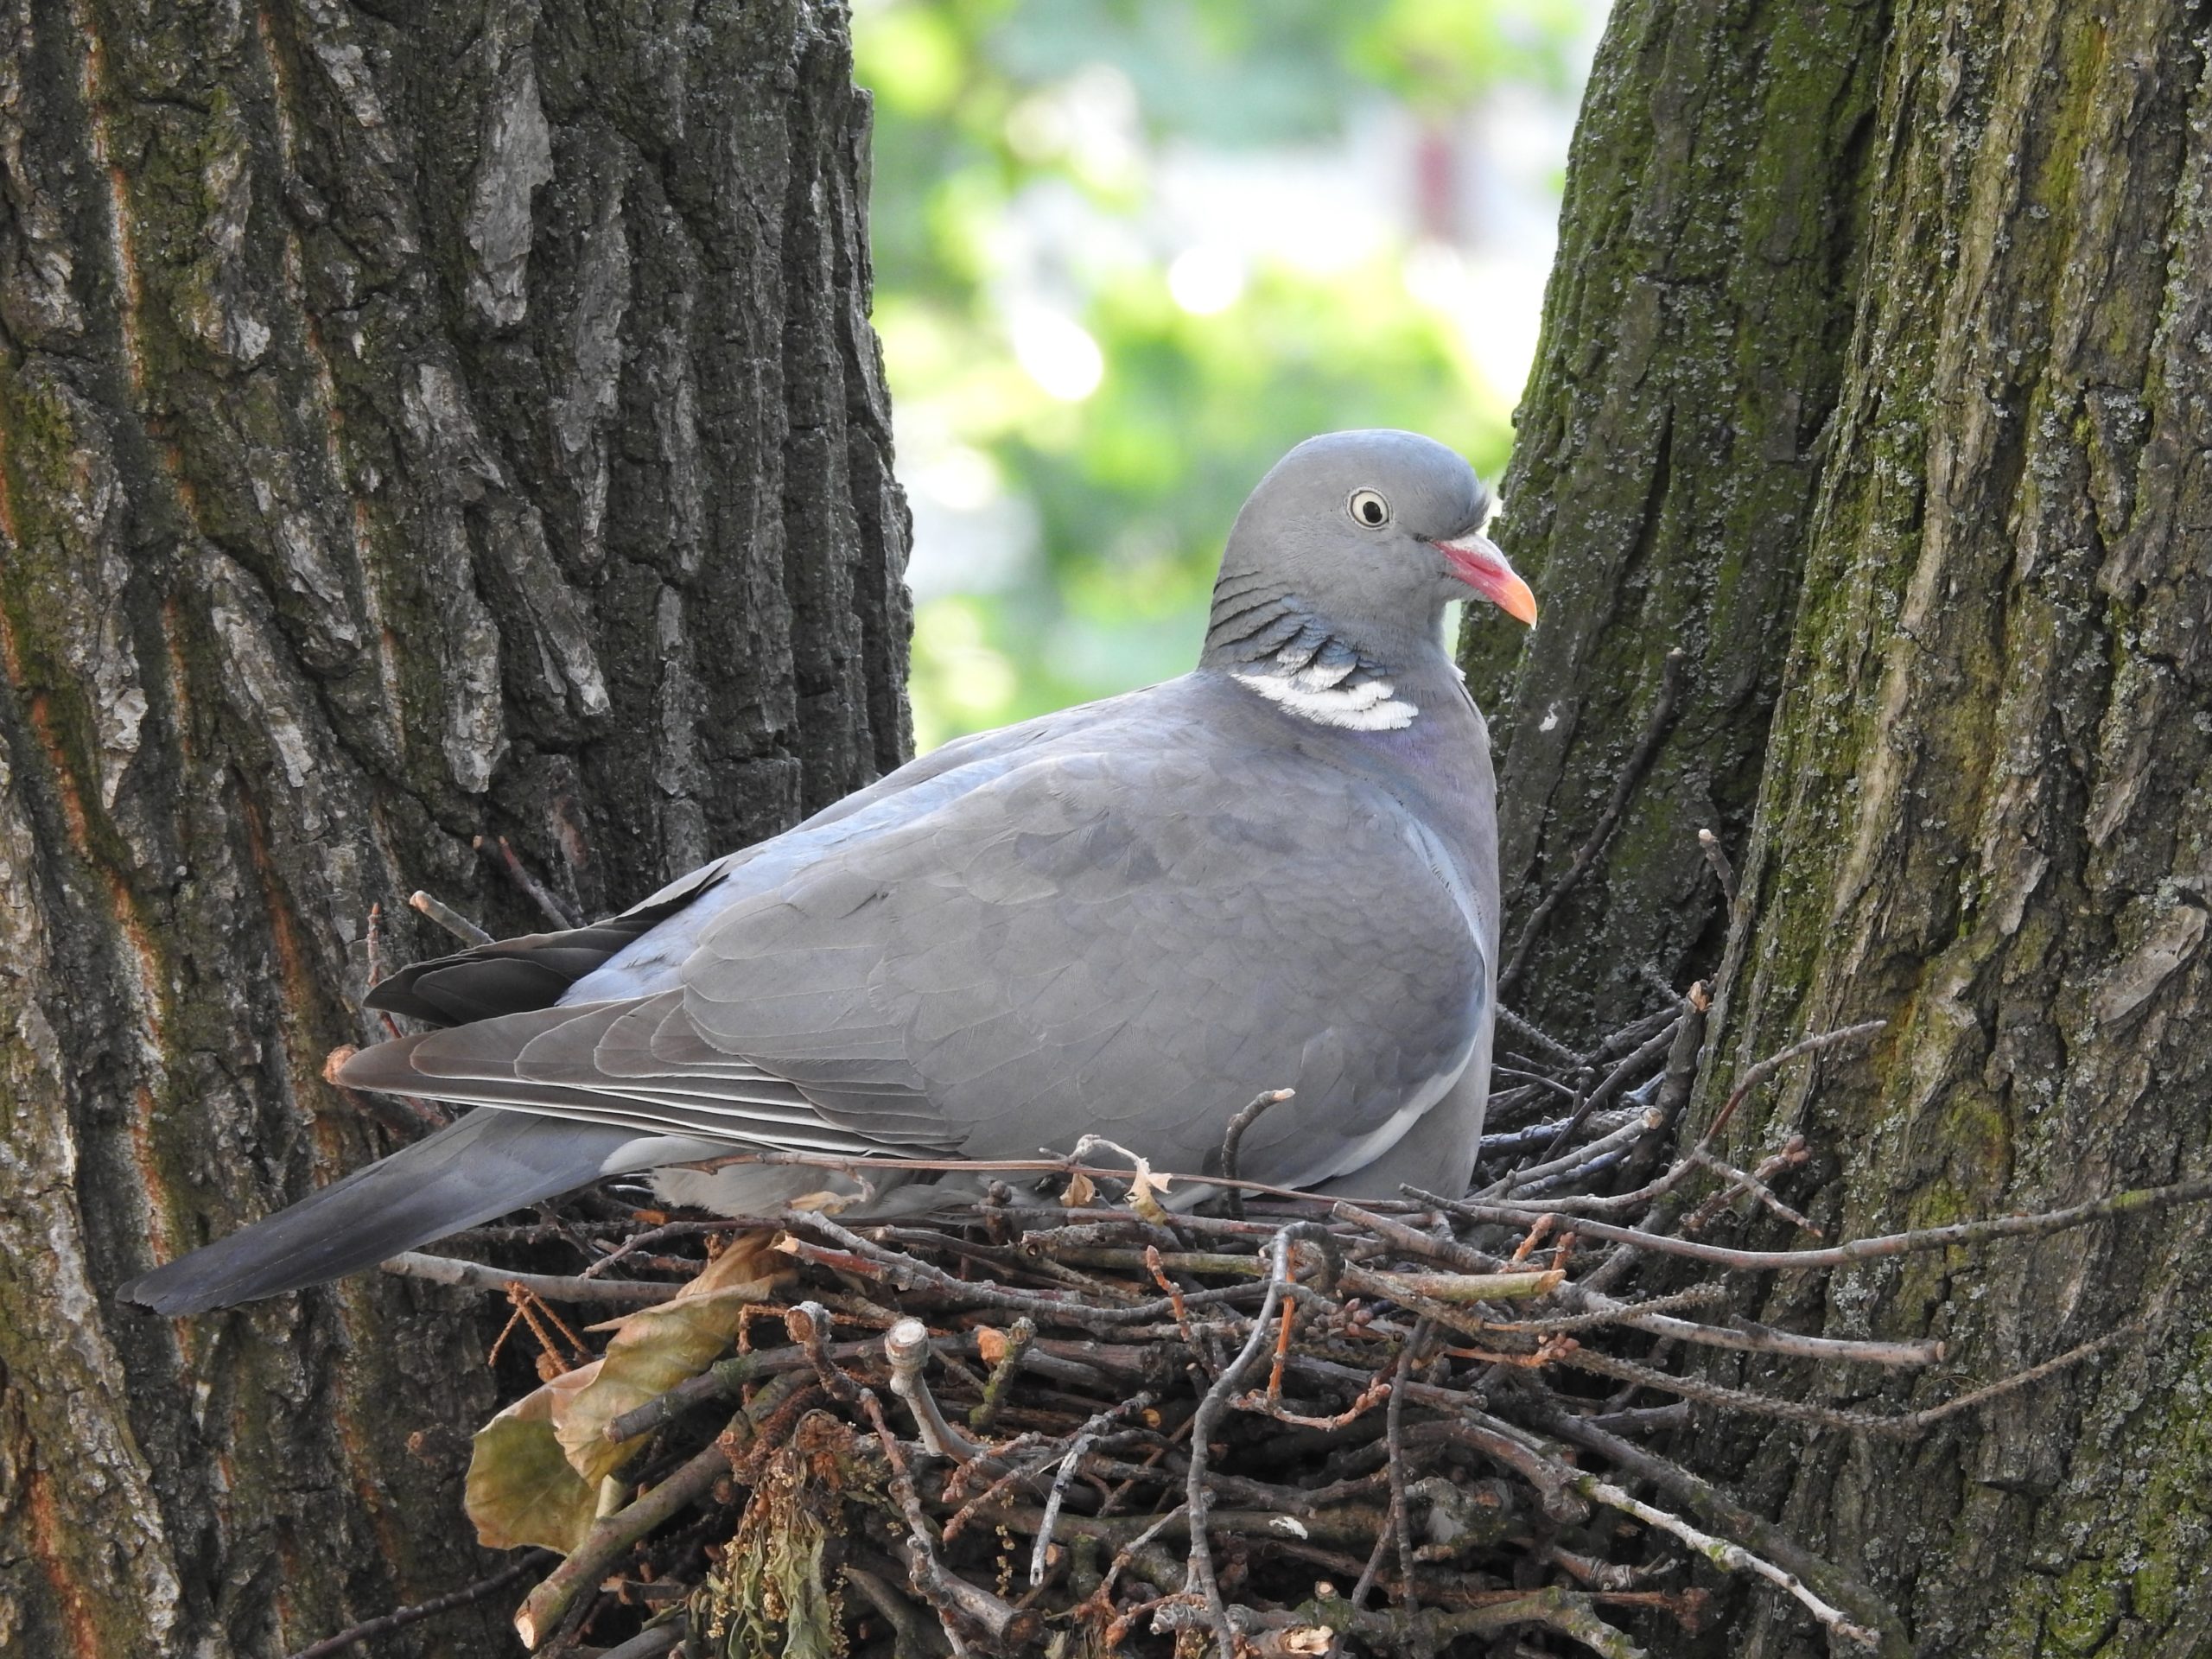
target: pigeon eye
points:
(1369, 508)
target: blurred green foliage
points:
(1017, 153)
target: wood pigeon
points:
(1277, 871)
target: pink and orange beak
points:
(1474, 559)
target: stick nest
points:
(1073, 1421)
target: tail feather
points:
(487, 1164)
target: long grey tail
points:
(487, 1164)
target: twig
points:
(1618, 1140)
(908, 1640)
(1626, 1202)
(1530, 1137)
(400, 1617)
(609, 1537)
(1766, 1068)
(1393, 1433)
(1677, 1082)
(1723, 871)
(1615, 1313)
(474, 1275)
(1233, 1137)
(1671, 676)
(1917, 1422)
(1086, 1437)
(875, 1165)
(1646, 1055)
(906, 1345)
(1753, 1183)
(449, 918)
(952, 1596)
(1743, 1400)
(503, 857)
(1634, 1035)
(1721, 1512)
(1004, 1369)
(660, 1235)
(652, 1642)
(2140, 1200)
(1521, 1027)
(1728, 1556)
(1198, 1496)
(909, 1273)
(808, 1324)
(1128, 1551)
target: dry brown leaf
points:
(521, 1489)
(657, 1347)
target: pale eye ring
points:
(1368, 509)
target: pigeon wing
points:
(1132, 942)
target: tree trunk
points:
(1666, 466)
(418, 424)
(1985, 788)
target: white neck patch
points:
(1350, 697)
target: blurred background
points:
(1127, 251)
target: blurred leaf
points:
(1020, 157)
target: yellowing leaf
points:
(660, 1346)
(521, 1490)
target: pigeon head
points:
(1369, 534)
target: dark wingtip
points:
(483, 1166)
(168, 1292)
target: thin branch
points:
(952, 1596)
(1198, 1495)
(1627, 1202)
(503, 858)
(399, 1618)
(609, 1537)
(1617, 1139)
(2138, 1201)
(808, 1324)
(906, 1345)
(449, 918)
(1086, 1437)
(1918, 1423)
(1752, 1183)
(1523, 1027)
(1004, 1369)
(1718, 1511)
(1728, 1556)
(1233, 1137)
(1723, 871)
(474, 1275)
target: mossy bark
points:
(1667, 462)
(415, 424)
(1984, 807)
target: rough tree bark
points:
(1880, 379)
(415, 423)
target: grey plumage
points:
(1276, 871)
(484, 1166)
